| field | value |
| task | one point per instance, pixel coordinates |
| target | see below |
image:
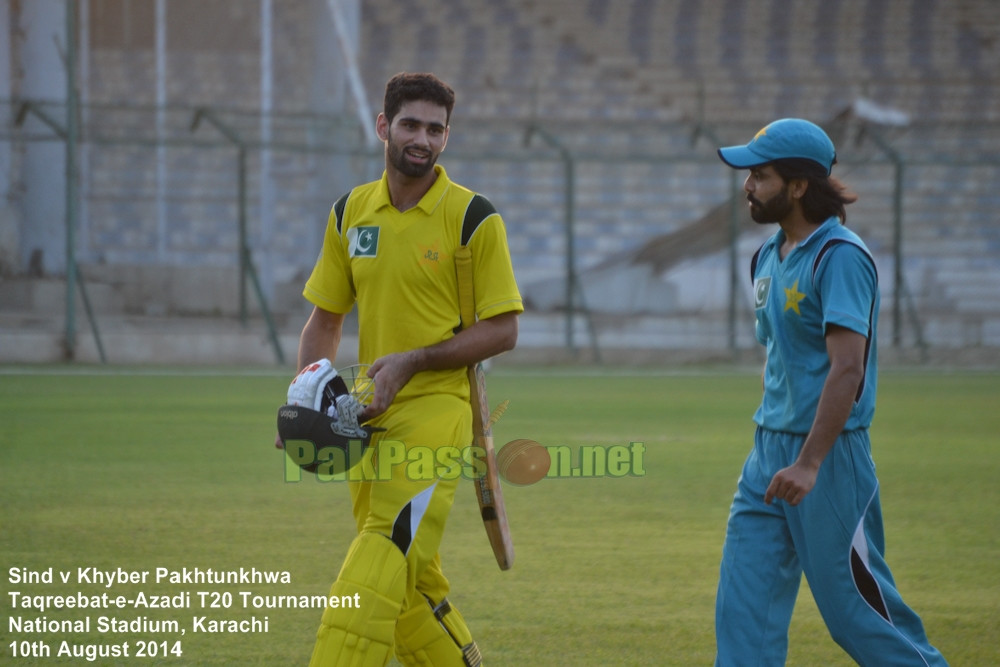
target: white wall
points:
(39, 29)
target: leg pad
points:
(362, 636)
(435, 635)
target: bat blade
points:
(488, 491)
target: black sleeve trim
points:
(829, 245)
(478, 210)
(825, 249)
(753, 264)
(338, 209)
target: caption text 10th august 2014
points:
(146, 613)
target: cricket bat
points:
(488, 491)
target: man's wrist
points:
(417, 360)
(808, 459)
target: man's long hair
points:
(825, 196)
(409, 87)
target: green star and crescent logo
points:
(362, 242)
(761, 288)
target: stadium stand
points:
(727, 62)
(639, 94)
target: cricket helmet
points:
(318, 424)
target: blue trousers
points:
(835, 537)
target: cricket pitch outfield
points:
(147, 471)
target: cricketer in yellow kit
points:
(389, 248)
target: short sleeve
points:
(331, 285)
(848, 285)
(495, 285)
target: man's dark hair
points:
(408, 87)
(825, 195)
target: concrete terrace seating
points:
(727, 61)
(749, 59)
(581, 65)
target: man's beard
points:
(397, 158)
(774, 209)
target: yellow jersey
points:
(399, 268)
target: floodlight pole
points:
(72, 131)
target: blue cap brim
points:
(783, 139)
(741, 157)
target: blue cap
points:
(785, 138)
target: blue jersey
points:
(830, 278)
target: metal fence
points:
(608, 223)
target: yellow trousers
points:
(401, 498)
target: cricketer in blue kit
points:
(807, 500)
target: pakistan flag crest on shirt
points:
(362, 241)
(761, 289)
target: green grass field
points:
(141, 471)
